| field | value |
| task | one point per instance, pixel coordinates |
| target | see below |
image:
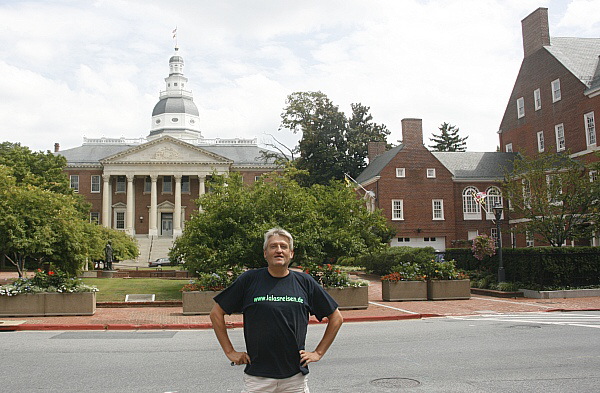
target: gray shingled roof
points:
(376, 166)
(462, 165)
(578, 55)
(92, 154)
(477, 165)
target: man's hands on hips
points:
(238, 357)
(309, 357)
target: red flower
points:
(50, 273)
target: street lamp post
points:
(498, 215)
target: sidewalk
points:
(133, 318)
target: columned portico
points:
(153, 230)
(106, 193)
(177, 208)
(130, 205)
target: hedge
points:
(381, 263)
(543, 266)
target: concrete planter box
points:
(48, 304)
(448, 289)
(198, 302)
(398, 291)
(561, 294)
(350, 298)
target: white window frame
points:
(400, 172)
(549, 179)
(590, 128)
(529, 239)
(494, 235)
(165, 189)
(121, 184)
(537, 99)
(95, 217)
(508, 148)
(526, 192)
(556, 94)
(118, 221)
(471, 209)
(472, 234)
(494, 197)
(540, 141)
(74, 182)
(520, 107)
(437, 208)
(593, 176)
(95, 184)
(397, 209)
(559, 132)
(185, 184)
(147, 185)
(431, 173)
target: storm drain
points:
(395, 383)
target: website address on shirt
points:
(271, 298)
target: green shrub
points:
(382, 263)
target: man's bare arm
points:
(217, 317)
(334, 322)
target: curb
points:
(186, 326)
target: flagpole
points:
(369, 193)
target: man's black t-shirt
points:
(276, 312)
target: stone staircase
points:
(152, 248)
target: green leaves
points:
(448, 139)
(326, 222)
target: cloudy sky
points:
(70, 69)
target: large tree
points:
(326, 222)
(448, 139)
(554, 197)
(331, 145)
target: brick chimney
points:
(412, 132)
(536, 32)
(56, 147)
(375, 149)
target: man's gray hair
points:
(281, 232)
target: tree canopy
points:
(448, 139)
(42, 220)
(331, 145)
(326, 222)
(555, 196)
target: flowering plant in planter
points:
(331, 277)
(404, 272)
(483, 245)
(53, 281)
(216, 281)
(443, 270)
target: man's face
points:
(278, 253)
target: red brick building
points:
(556, 95)
(427, 196)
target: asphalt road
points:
(547, 352)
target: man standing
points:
(276, 303)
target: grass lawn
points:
(115, 289)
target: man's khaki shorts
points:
(296, 384)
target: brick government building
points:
(147, 187)
(426, 195)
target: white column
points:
(202, 190)
(153, 229)
(177, 208)
(105, 201)
(130, 205)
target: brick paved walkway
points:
(173, 318)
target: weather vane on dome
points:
(175, 36)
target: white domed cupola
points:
(175, 114)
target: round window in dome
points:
(174, 120)
(157, 121)
(192, 121)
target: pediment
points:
(166, 150)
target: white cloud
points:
(77, 68)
